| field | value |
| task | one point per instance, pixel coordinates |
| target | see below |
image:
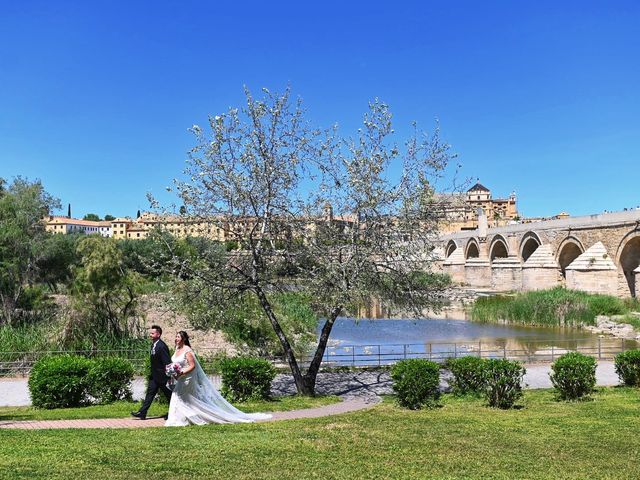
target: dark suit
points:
(160, 358)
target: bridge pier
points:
(506, 274)
(540, 271)
(454, 266)
(593, 272)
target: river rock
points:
(608, 326)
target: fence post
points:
(504, 351)
(455, 350)
(479, 348)
(379, 355)
(405, 351)
(553, 353)
(622, 344)
(353, 356)
(599, 348)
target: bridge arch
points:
(529, 244)
(472, 250)
(450, 248)
(498, 248)
(628, 258)
(569, 249)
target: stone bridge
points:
(595, 253)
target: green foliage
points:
(243, 321)
(557, 306)
(23, 205)
(468, 375)
(416, 382)
(91, 217)
(246, 378)
(105, 293)
(573, 375)
(110, 379)
(60, 382)
(503, 382)
(109, 218)
(627, 366)
(56, 258)
(65, 381)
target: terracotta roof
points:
(76, 221)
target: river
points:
(379, 341)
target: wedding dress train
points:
(195, 401)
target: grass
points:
(463, 439)
(123, 409)
(555, 307)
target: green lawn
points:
(463, 439)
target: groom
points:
(160, 358)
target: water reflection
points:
(371, 342)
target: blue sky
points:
(538, 97)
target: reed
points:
(554, 307)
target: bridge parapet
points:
(543, 253)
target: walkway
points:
(334, 409)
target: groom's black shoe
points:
(139, 415)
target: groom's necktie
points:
(153, 348)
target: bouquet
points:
(172, 370)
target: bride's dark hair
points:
(185, 337)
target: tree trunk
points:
(301, 385)
(312, 373)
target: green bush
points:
(416, 382)
(468, 375)
(503, 379)
(573, 375)
(628, 367)
(110, 379)
(246, 378)
(59, 381)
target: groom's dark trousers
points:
(160, 358)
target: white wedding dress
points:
(195, 401)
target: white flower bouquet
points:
(173, 370)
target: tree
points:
(91, 217)
(109, 218)
(104, 292)
(23, 205)
(55, 259)
(339, 221)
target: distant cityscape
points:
(459, 212)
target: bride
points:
(195, 401)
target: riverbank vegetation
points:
(554, 307)
(462, 439)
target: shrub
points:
(503, 382)
(628, 367)
(416, 382)
(468, 375)
(246, 378)
(59, 381)
(573, 375)
(110, 379)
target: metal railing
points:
(534, 351)
(20, 363)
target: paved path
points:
(333, 409)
